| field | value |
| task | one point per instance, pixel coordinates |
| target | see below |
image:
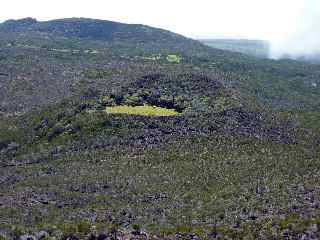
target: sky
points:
(253, 19)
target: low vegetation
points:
(135, 132)
(173, 58)
(142, 110)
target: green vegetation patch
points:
(173, 58)
(153, 57)
(145, 110)
(97, 73)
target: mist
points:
(301, 39)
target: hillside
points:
(110, 128)
(42, 46)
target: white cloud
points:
(302, 39)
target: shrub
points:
(96, 73)
(136, 229)
(118, 98)
(73, 128)
(68, 230)
(107, 101)
(56, 131)
(83, 227)
(90, 92)
(179, 104)
(17, 232)
(144, 94)
(133, 100)
(166, 102)
(4, 144)
(223, 103)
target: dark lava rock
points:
(213, 234)
(252, 217)
(188, 236)
(305, 237)
(42, 235)
(71, 237)
(4, 144)
(236, 225)
(136, 232)
(27, 237)
(92, 237)
(102, 237)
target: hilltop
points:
(93, 29)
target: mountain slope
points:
(88, 43)
(236, 157)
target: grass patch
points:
(145, 110)
(173, 59)
(153, 57)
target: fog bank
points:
(302, 37)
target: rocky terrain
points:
(237, 158)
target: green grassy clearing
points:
(144, 110)
(173, 59)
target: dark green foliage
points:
(83, 228)
(56, 131)
(4, 144)
(133, 100)
(17, 231)
(97, 73)
(136, 228)
(142, 97)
